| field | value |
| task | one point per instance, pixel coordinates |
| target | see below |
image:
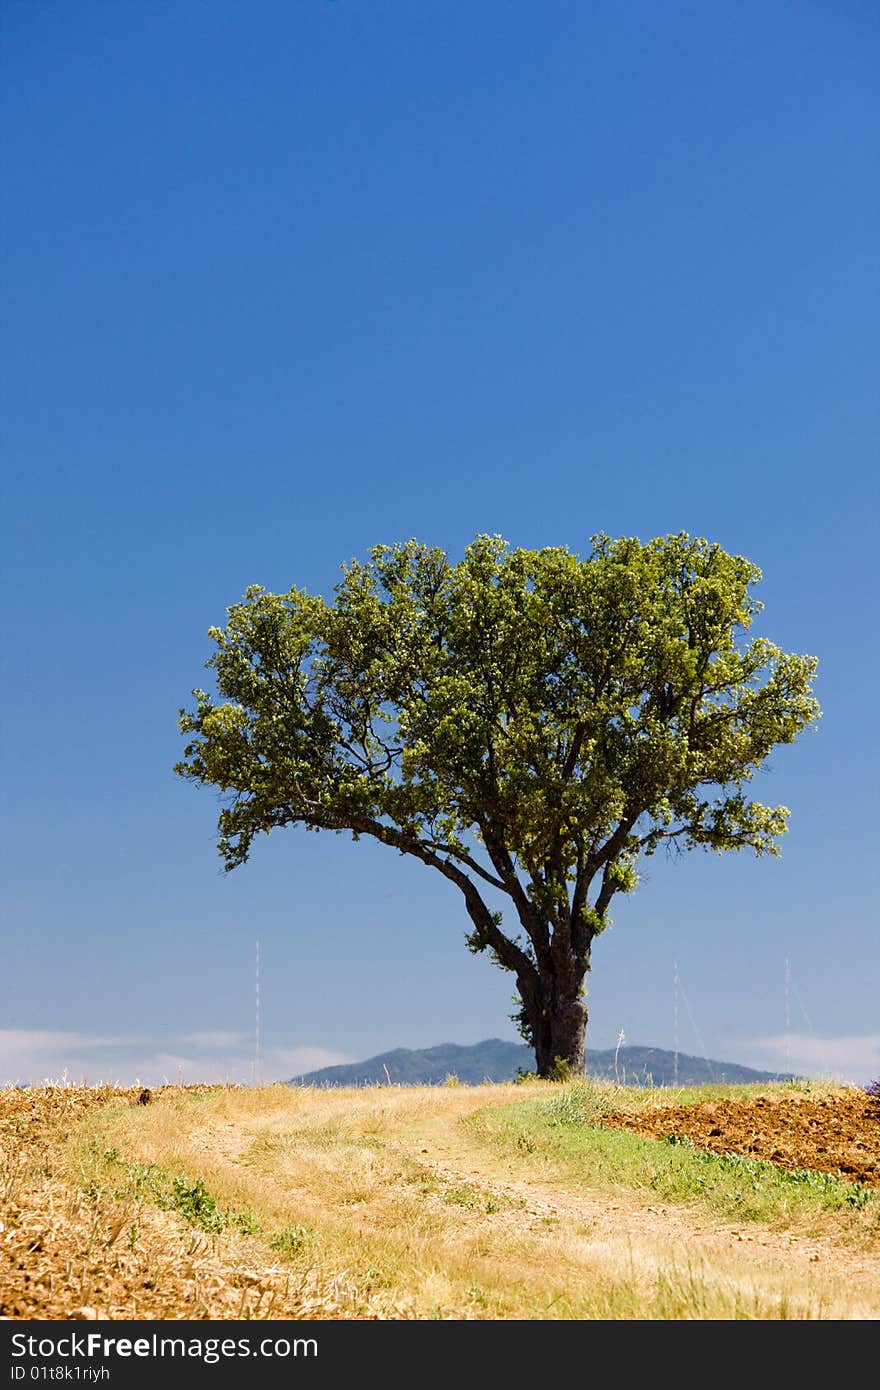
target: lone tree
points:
(524, 722)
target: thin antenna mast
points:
(675, 1021)
(787, 1014)
(257, 1061)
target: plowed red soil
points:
(837, 1133)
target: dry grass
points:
(73, 1245)
(390, 1192)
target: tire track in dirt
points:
(623, 1236)
(650, 1238)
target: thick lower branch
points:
(507, 951)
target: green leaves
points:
(524, 717)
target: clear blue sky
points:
(284, 280)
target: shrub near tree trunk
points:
(526, 723)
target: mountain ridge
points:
(493, 1059)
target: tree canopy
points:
(525, 722)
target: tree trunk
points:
(558, 1022)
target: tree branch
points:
(574, 751)
(614, 844)
(581, 938)
(507, 951)
(606, 892)
(467, 859)
(529, 916)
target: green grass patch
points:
(567, 1130)
(189, 1197)
(292, 1242)
(466, 1195)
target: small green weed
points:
(560, 1070)
(197, 1206)
(190, 1198)
(464, 1195)
(578, 1105)
(293, 1241)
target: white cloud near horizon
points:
(214, 1040)
(15, 1042)
(36, 1056)
(30, 1057)
(855, 1061)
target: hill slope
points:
(496, 1060)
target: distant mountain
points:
(492, 1060)
(495, 1060)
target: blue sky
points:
(286, 280)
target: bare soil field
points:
(385, 1203)
(836, 1133)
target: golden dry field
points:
(539, 1201)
